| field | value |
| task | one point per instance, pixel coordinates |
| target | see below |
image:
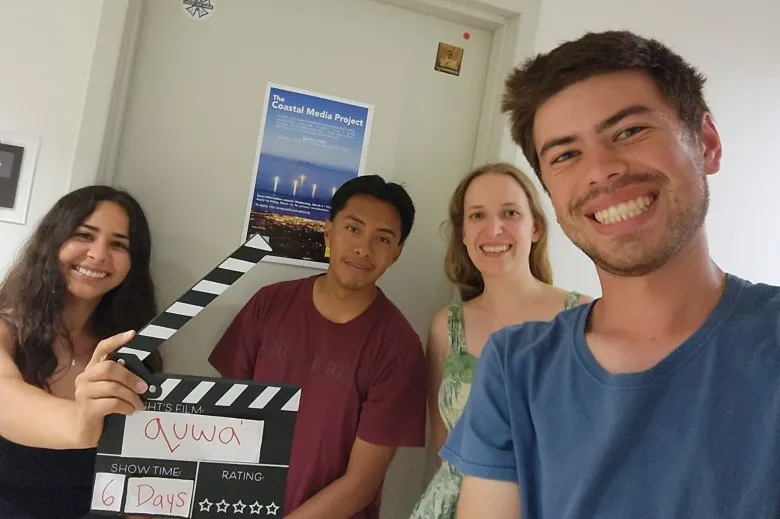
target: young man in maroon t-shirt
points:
(357, 359)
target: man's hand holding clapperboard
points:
(201, 447)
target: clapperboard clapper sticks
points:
(202, 447)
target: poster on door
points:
(309, 145)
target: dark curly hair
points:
(33, 294)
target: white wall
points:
(736, 47)
(58, 61)
(60, 85)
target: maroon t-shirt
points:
(364, 378)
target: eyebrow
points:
(381, 229)
(612, 120)
(116, 234)
(607, 123)
(480, 206)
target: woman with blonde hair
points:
(497, 257)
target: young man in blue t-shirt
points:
(661, 399)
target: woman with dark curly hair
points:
(79, 289)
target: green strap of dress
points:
(572, 300)
(457, 335)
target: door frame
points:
(512, 23)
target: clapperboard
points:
(202, 447)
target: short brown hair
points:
(458, 267)
(543, 76)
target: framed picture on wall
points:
(18, 155)
(10, 166)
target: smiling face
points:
(364, 240)
(498, 225)
(96, 258)
(626, 177)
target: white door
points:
(190, 133)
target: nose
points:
(98, 250)
(604, 163)
(496, 225)
(364, 245)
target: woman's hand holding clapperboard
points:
(105, 387)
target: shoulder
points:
(758, 295)
(393, 323)
(755, 306)
(535, 345)
(441, 319)
(287, 287)
(439, 333)
(394, 340)
(579, 298)
(440, 325)
(571, 298)
(275, 294)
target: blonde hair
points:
(458, 266)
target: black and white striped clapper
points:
(202, 447)
(202, 293)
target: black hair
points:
(33, 294)
(377, 187)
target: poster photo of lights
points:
(309, 145)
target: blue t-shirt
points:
(696, 436)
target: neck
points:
(504, 293)
(76, 317)
(676, 298)
(339, 303)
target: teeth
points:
(624, 211)
(495, 248)
(90, 273)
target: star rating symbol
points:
(238, 507)
(222, 506)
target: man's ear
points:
(710, 145)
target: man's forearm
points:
(340, 500)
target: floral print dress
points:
(440, 499)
